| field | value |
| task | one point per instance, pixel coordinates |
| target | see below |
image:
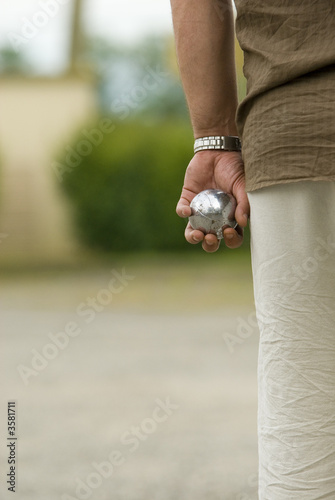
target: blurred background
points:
(107, 313)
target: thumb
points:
(183, 208)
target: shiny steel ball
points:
(213, 210)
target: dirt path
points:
(123, 403)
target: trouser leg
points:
(293, 260)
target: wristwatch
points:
(223, 142)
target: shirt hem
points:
(250, 186)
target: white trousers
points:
(293, 261)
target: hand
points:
(215, 170)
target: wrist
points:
(208, 132)
(220, 126)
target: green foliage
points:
(125, 192)
(12, 62)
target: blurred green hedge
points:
(124, 189)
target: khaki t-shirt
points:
(287, 120)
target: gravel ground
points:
(126, 403)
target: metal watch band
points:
(225, 142)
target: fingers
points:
(242, 211)
(210, 243)
(193, 236)
(233, 238)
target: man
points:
(285, 180)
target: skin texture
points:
(205, 49)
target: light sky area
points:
(42, 25)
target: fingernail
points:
(246, 217)
(210, 242)
(230, 236)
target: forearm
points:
(206, 57)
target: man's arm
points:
(205, 48)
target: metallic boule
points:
(212, 211)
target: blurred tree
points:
(76, 37)
(13, 62)
(16, 62)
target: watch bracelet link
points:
(223, 142)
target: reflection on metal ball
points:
(212, 211)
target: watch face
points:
(212, 211)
